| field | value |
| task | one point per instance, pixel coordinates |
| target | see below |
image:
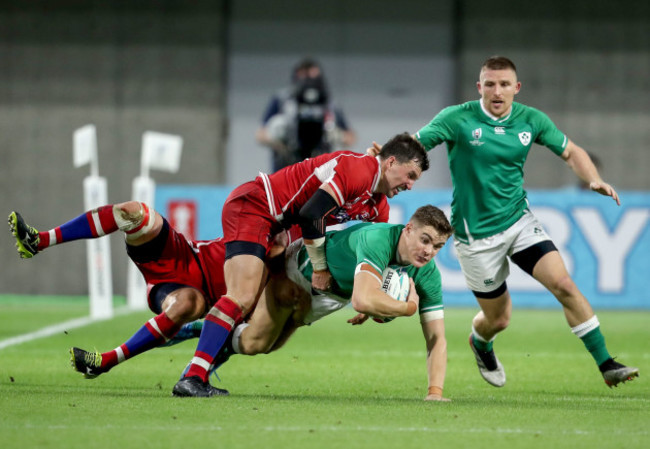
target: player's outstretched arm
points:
(582, 165)
(434, 334)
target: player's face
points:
(398, 177)
(498, 89)
(422, 244)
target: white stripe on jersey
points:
(286, 206)
(339, 194)
(375, 184)
(269, 196)
(325, 173)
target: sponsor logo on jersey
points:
(524, 138)
(342, 216)
(487, 282)
(499, 130)
(476, 134)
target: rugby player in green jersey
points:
(356, 258)
(488, 141)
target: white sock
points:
(583, 329)
(236, 335)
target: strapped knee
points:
(135, 224)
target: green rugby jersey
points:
(376, 245)
(486, 160)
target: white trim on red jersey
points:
(324, 173)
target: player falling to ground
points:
(159, 252)
(183, 277)
(488, 141)
(303, 194)
(356, 258)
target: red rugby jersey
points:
(353, 178)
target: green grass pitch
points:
(332, 386)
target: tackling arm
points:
(312, 224)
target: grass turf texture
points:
(333, 385)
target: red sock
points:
(92, 224)
(152, 334)
(221, 319)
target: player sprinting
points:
(356, 257)
(302, 194)
(488, 141)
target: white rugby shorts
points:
(484, 261)
(322, 303)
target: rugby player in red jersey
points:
(302, 194)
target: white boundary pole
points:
(161, 152)
(98, 252)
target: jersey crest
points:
(476, 134)
(524, 138)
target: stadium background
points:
(205, 69)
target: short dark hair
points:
(304, 65)
(405, 148)
(497, 62)
(432, 216)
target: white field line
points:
(55, 329)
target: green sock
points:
(595, 344)
(485, 346)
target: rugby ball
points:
(395, 283)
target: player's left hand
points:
(605, 189)
(358, 319)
